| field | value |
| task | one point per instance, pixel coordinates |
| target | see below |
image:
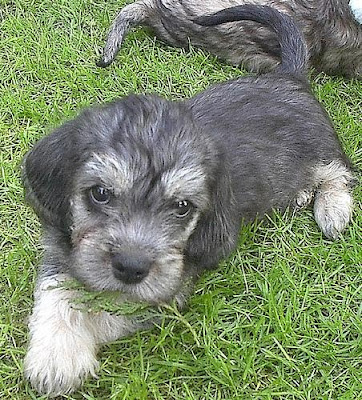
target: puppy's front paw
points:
(62, 349)
(59, 364)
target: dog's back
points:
(274, 133)
(273, 130)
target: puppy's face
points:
(132, 220)
(132, 185)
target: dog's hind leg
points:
(333, 198)
(132, 15)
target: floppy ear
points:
(47, 175)
(216, 233)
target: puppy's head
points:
(140, 191)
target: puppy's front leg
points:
(64, 340)
(62, 348)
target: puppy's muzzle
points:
(131, 268)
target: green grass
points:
(281, 319)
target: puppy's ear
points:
(47, 175)
(216, 233)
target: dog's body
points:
(332, 32)
(141, 195)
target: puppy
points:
(331, 29)
(141, 195)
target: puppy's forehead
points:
(153, 149)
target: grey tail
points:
(294, 54)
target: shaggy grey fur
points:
(143, 194)
(333, 35)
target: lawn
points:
(281, 319)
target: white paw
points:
(62, 349)
(60, 364)
(332, 211)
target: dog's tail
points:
(294, 54)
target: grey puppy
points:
(141, 195)
(332, 32)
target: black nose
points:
(130, 268)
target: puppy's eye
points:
(183, 208)
(100, 195)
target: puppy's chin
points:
(164, 282)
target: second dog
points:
(331, 29)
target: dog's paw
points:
(332, 211)
(62, 348)
(59, 366)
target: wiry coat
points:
(333, 35)
(141, 195)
